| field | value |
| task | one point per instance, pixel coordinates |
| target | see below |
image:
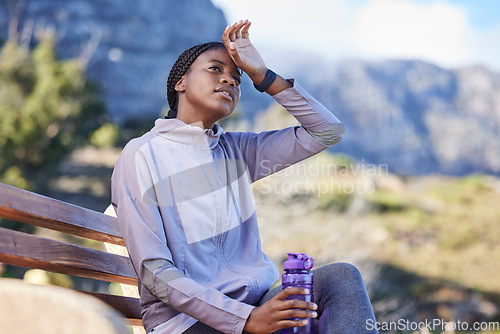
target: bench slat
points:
(31, 208)
(128, 306)
(26, 250)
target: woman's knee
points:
(348, 271)
(336, 274)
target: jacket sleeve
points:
(142, 227)
(270, 151)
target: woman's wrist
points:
(278, 85)
(258, 75)
(267, 82)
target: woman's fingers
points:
(292, 323)
(237, 30)
(290, 292)
(233, 29)
(301, 318)
(244, 31)
(241, 50)
(297, 304)
(279, 312)
(294, 304)
(231, 35)
(225, 37)
(297, 313)
(237, 27)
(237, 33)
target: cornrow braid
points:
(180, 67)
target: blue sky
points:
(449, 33)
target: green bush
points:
(47, 109)
(106, 135)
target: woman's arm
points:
(271, 151)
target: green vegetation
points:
(47, 109)
(106, 136)
(443, 227)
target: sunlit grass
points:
(434, 226)
(457, 239)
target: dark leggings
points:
(343, 303)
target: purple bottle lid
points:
(298, 261)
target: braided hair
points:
(180, 68)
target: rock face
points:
(413, 116)
(129, 45)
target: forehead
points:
(219, 55)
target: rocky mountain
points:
(129, 46)
(413, 116)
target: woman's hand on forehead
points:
(237, 42)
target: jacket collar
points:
(178, 131)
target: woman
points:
(182, 196)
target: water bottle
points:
(298, 274)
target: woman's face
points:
(210, 89)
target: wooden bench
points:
(31, 251)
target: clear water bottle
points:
(298, 274)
